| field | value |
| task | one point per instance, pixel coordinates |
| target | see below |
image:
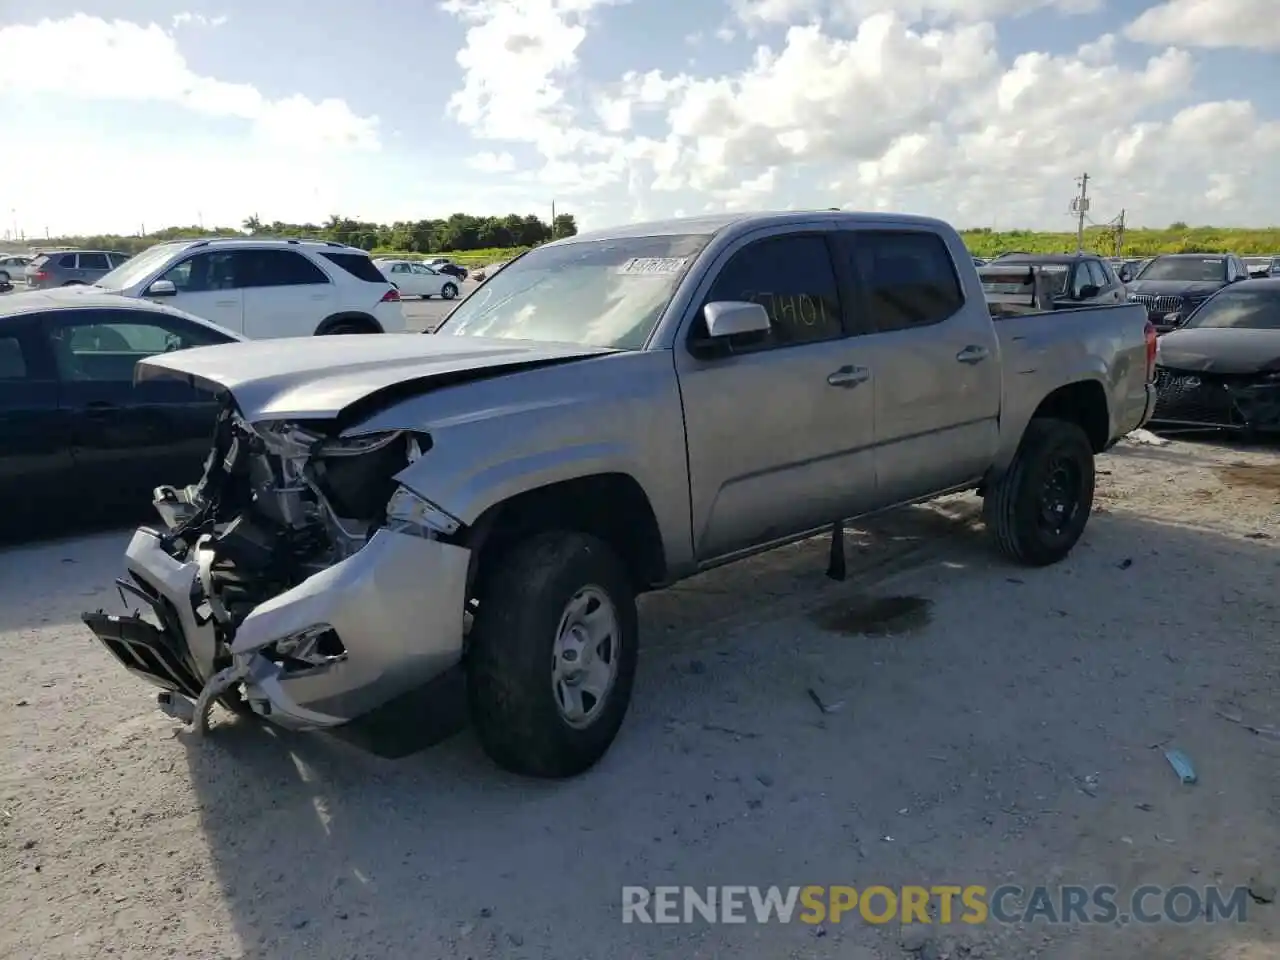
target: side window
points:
(400, 268)
(1099, 275)
(909, 278)
(203, 273)
(104, 345)
(420, 268)
(117, 259)
(793, 279)
(94, 261)
(281, 268)
(1079, 279)
(13, 364)
(67, 260)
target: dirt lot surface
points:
(990, 725)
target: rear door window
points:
(68, 260)
(907, 276)
(283, 268)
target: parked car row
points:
(258, 287)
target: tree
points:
(564, 225)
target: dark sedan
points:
(1221, 368)
(77, 436)
(441, 265)
(1177, 283)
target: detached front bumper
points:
(396, 606)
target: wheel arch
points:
(612, 506)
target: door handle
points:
(973, 354)
(849, 377)
(99, 408)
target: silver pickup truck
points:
(393, 531)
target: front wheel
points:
(553, 655)
(1038, 509)
(449, 291)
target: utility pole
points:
(1080, 206)
(1120, 235)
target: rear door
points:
(935, 356)
(92, 267)
(285, 294)
(126, 439)
(209, 287)
(35, 442)
(1110, 290)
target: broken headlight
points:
(408, 512)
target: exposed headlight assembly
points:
(407, 512)
(357, 446)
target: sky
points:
(121, 115)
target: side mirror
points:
(1124, 275)
(729, 318)
(1088, 292)
(1173, 319)
(162, 288)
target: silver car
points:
(69, 268)
(13, 267)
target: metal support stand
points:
(836, 565)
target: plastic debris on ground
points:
(1182, 765)
(1146, 437)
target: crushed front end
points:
(299, 580)
(1245, 403)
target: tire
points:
(4, 276)
(343, 327)
(517, 701)
(73, 283)
(449, 291)
(1015, 508)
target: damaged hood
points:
(317, 378)
(1219, 350)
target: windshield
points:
(1241, 309)
(600, 293)
(1191, 269)
(1016, 278)
(139, 268)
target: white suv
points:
(264, 288)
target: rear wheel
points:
(4, 276)
(342, 327)
(1038, 510)
(73, 283)
(553, 655)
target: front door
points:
(780, 426)
(35, 445)
(127, 439)
(207, 287)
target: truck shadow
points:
(1006, 738)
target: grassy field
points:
(985, 243)
(466, 258)
(1137, 243)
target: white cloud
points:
(754, 13)
(1250, 24)
(490, 162)
(285, 157)
(88, 58)
(893, 114)
(196, 20)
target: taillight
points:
(391, 296)
(41, 275)
(1149, 333)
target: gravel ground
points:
(999, 730)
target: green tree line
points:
(460, 233)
